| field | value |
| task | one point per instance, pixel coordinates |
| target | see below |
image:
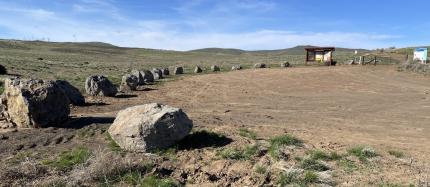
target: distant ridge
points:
(297, 50)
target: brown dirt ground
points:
(330, 108)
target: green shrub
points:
(67, 160)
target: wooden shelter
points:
(322, 55)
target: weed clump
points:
(397, 154)
(363, 153)
(295, 179)
(312, 164)
(278, 142)
(68, 159)
(239, 154)
(247, 133)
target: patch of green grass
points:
(260, 169)
(239, 154)
(68, 159)
(321, 155)
(152, 181)
(310, 177)
(247, 133)
(277, 142)
(112, 145)
(294, 179)
(397, 154)
(347, 165)
(312, 164)
(362, 152)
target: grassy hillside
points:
(75, 61)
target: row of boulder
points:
(30, 103)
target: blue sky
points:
(244, 24)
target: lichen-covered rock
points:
(99, 85)
(236, 67)
(31, 103)
(165, 71)
(259, 65)
(129, 82)
(157, 73)
(149, 127)
(215, 68)
(75, 96)
(178, 70)
(197, 69)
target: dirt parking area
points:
(372, 105)
(329, 108)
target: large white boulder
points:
(149, 127)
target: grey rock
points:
(129, 82)
(31, 103)
(236, 67)
(147, 75)
(75, 96)
(215, 68)
(285, 65)
(158, 74)
(139, 76)
(259, 65)
(165, 71)
(149, 127)
(178, 70)
(99, 85)
(197, 69)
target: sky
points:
(243, 24)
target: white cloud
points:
(162, 34)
